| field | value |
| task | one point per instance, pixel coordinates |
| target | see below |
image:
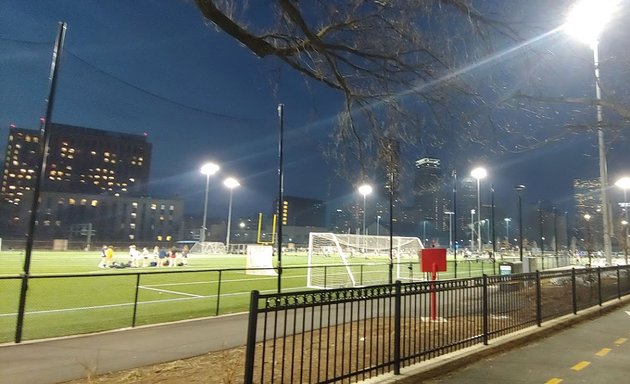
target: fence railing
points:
(352, 334)
(68, 304)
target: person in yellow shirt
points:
(109, 256)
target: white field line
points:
(167, 291)
(49, 311)
(225, 281)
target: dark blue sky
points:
(157, 67)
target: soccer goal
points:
(209, 248)
(260, 260)
(345, 260)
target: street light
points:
(365, 190)
(519, 189)
(586, 22)
(207, 169)
(624, 183)
(424, 233)
(624, 224)
(472, 229)
(587, 217)
(507, 228)
(230, 183)
(378, 224)
(478, 173)
(450, 228)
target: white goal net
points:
(260, 260)
(345, 260)
(209, 248)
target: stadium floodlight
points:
(230, 183)
(365, 190)
(207, 169)
(478, 173)
(585, 22)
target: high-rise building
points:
(302, 212)
(80, 160)
(93, 179)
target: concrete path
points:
(62, 359)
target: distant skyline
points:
(138, 67)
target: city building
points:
(302, 212)
(95, 182)
(80, 160)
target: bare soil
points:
(224, 367)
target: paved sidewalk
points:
(57, 360)
(62, 359)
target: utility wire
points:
(138, 88)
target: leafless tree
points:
(439, 73)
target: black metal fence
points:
(348, 335)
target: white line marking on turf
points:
(139, 303)
(167, 291)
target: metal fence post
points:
(397, 328)
(219, 293)
(573, 291)
(618, 283)
(538, 300)
(135, 301)
(250, 350)
(485, 310)
(599, 285)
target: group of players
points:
(160, 257)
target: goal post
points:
(343, 260)
(260, 260)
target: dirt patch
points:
(224, 367)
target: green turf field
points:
(68, 294)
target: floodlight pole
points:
(280, 191)
(454, 228)
(603, 169)
(39, 172)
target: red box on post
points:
(431, 256)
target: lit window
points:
(134, 204)
(72, 201)
(168, 238)
(159, 238)
(94, 203)
(83, 201)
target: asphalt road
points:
(596, 351)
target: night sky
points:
(157, 67)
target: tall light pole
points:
(378, 224)
(586, 22)
(478, 173)
(450, 228)
(207, 169)
(365, 190)
(230, 183)
(624, 183)
(507, 228)
(519, 189)
(472, 229)
(424, 232)
(587, 217)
